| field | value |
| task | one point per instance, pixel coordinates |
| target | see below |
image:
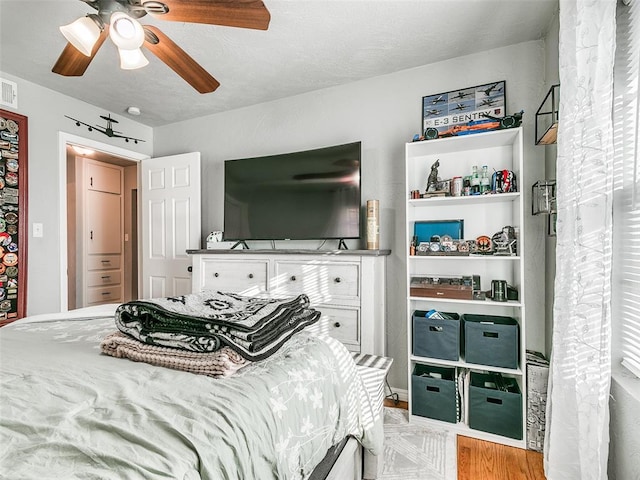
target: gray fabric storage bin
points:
(434, 397)
(492, 409)
(491, 340)
(436, 338)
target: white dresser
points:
(347, 286)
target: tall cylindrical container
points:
(373, 225)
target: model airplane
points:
(487, 91)
(460, 106)
(437, 100)
(108, 130)
(433, 112)
(488, 102)
(461, 95)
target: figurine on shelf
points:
(505, 242)
(432, 181)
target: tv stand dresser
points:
(347, 286)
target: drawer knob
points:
(337, 280)
(216, 274)
(189, 269)
(251, 275)
(106, 277)
(337, 324)
(293, 278)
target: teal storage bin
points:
(495, 405)
(436, 338)
(434, 393)
(491, 340)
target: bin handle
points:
(432, 389)
(497, 401)
(434, 328)
(490, 334)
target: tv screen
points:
(308, 195)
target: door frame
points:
(64, 139)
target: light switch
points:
(37, 230)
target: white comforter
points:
(69, 412)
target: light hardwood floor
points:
(480, 460)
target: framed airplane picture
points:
(443, 111)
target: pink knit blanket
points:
(221, 363)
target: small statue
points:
(432, 181)
(505, 242)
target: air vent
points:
(156, 8)
(9, 93)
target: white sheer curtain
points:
(577, 438)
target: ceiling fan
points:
(119, 20)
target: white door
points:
(104, 222)
(170, 223)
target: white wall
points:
(383, 113)
(46, 112)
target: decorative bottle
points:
(475, 181)
(484, 180)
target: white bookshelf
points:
(482, 215)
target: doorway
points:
(69, 263)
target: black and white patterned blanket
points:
(206, 321)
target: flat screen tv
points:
(309, 195)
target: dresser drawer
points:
(343, 324)
(109, 277)
(247, 277)
(104, 262)
(96, 295)
(322, 281)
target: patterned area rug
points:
(416, 452)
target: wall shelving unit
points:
(482, 215)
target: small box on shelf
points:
(434, 392)
(436, 337)
(491, 340)
(442, 287)
(495, 405)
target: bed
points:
(69, 411)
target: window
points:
(626, 203)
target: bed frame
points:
(348, 461)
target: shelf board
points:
(470, 199)
(550, 136)
(509, 303)
(461, 428)
(491, 258)
(477, 141)
(463, 364)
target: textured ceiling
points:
(310, 44)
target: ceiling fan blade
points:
(178, 60)
(230, 13)
(72, 62)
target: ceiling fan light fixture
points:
(126, 32)
(132, 59)
(83, 34)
